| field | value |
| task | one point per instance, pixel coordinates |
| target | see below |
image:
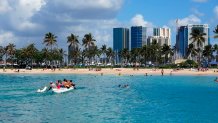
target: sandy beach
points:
(114, 71)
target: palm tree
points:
(61, 56)
(104, 50)
(75, 55)
(50, 40)
(135, 55)
(191, 51)
(73, 46)
(93, 52)
(29, 53)
(154, 52)
(125, 55)
(73, 40)
(216, 32)
(110, 54)
(166, 51)
(2, 52)
(215, 49)
(46, 55)
(198, 38)
(9, 51)
(88, 42)
(144, 54)
(208, 52)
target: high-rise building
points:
(120, 41)
(159, 39)
(184, 34)
(164, 34)
(182, 40)
(138, 36)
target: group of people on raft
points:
(62, 84)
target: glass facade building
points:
(138, 36)
(184, 35)
(182, 40)
(120, 41)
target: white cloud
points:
(197, 12)
(7, 37)
(138, 20)
(165, 26)
(85, 4)
(216, 11)
(28, 20)
(4, 6)
(191, 19)
(200, 1)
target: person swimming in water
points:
(123, 86)
(216, 80)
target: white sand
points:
(114, 71)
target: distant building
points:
(182, 40)
(138, 36)
(184, 35)
(120, 41)
(163, 34)
(159, 39)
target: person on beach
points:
(162, 72)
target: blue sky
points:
(26, 21)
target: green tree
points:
(215, 49)
(50, 40)
(198, 38)
(155, 52)
(191, 51)
(88, 42)
(208, 52)
(75, 55)
(29, 53)
(125, 55)
(216, 32)
(73, 46)
(135, 55)
(110, 54)
(10, 51)
(103, 51)
(73, 40)
(2, 53)
(166, 51)
(46, 55)
(144, 53)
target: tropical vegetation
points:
(87, 53)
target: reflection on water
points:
(100, 99)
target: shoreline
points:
(114, 71)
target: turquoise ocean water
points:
(98, 99)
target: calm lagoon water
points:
(98, 99)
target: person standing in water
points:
(162, 72)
